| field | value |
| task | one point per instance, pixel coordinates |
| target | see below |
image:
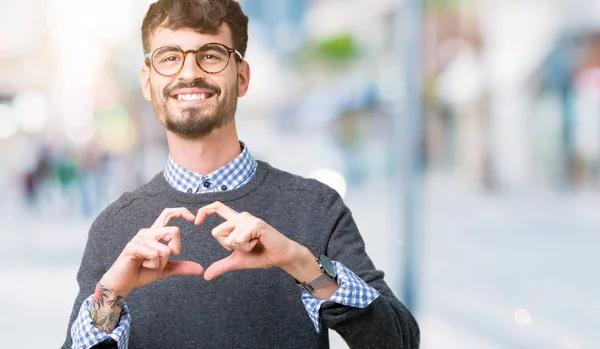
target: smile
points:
(193, 96)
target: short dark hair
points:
(203, 16)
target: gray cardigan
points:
(250, 308)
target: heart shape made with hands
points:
(255, 244)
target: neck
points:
(207, 154)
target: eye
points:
(210, 57)
(170, 59)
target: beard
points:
(195, 122)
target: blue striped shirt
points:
(352, 292)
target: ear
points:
(243, 78)
(145, 82)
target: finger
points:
(223, 266)
(152, 263)
(243, 238)
(252, 244)
(169, 214)
(171, 235)
(164, 252)
(182, 268)
(215, 208)
(221, 232)
(138, 250)
(154, 254)
(235, 238)
(244, 246)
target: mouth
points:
(192, 96)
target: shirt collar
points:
(231, 176)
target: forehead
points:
(187, 38)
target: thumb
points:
(182, 268)
(223, 266)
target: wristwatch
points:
(328, 274)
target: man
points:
(285, 259)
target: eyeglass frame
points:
(195, 52)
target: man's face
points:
(193, 103)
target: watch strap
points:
(317, 283)
(314, 285)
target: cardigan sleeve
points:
(384, 323)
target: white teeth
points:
(192, 97)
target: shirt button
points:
(207, 184)
(223, 188)
(189, 191)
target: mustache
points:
(197, 83)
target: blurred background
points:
(463, 134)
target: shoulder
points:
(128, 200)
(289, 183)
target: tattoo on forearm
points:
(106, 312)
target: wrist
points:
(305, 268)
(107, 283)
(106, 293)
(303, 265)
(106, 308)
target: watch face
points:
(327, 266)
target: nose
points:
(190, 69)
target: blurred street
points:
(517, 271)
(485, 257)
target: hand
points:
(255, 243)
(145, 259)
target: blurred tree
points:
(331, 54)
(446, 4)
(342, 47)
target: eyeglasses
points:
(212, 58)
